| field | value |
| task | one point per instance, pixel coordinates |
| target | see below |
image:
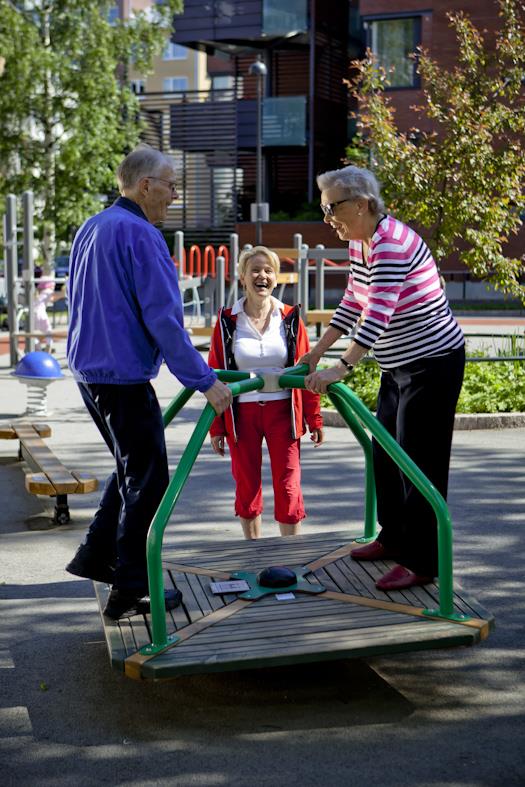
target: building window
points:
(138, 85)
(174, 52)
(223, 87)
(174, 84)
(393, 41)
(113, 14)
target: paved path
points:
(423, 719)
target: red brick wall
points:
(436, 36)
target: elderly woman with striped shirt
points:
(394, 305)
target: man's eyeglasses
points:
(171, 183)
(329, 208)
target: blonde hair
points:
(246, 255)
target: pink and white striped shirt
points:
(397, 298)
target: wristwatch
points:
(349, 366)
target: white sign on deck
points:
(230, 586)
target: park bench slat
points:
(38, 454)
(319, 316)
(51, 477)
(8, 432)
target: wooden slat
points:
(86, 482)
(319, 315)
(133, 664)
(39, 454)
(40, 334)
(8, 431)
(353, 578)
(39, 484)
(360, 643)
(287, 278)
(330, 557)
(481, 625)
(208, 572)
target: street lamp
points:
(259, 210)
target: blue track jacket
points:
(126, 311)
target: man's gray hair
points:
(140, 163)
(357, 182)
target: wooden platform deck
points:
(351, 619)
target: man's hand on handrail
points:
(219, 396)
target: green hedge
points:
(488, 387)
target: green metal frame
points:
(357, 416)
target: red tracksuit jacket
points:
(305, 405)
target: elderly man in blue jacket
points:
(126, 316)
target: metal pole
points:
(28, 272)
(11, 256)
(221, 290)
(258, 185)
(303, 281)
(179, 251)
(234, 259)
(319, 280)
(297, 244)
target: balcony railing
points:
(284, 18)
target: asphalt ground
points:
(449, 717)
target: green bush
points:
(488, 387)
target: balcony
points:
(234, 25)
(280, 19)
(284, 122)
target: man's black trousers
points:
(130, 421)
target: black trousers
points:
(130, 421)
(416, 404)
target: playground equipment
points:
(37, 370)
(334, 610)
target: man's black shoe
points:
(87, 565)
(122, 603)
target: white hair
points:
(140, 163)
(357, 182)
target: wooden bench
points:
(319, 316)
(50, 476)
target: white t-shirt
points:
(265, 352)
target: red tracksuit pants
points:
(271, 421)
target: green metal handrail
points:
(171, 495)
(356, 414)
(347, 401)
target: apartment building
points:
(208, 118)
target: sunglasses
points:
(329, 208)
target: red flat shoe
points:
(399, 578)
(373, 551)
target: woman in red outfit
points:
(259, 333)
